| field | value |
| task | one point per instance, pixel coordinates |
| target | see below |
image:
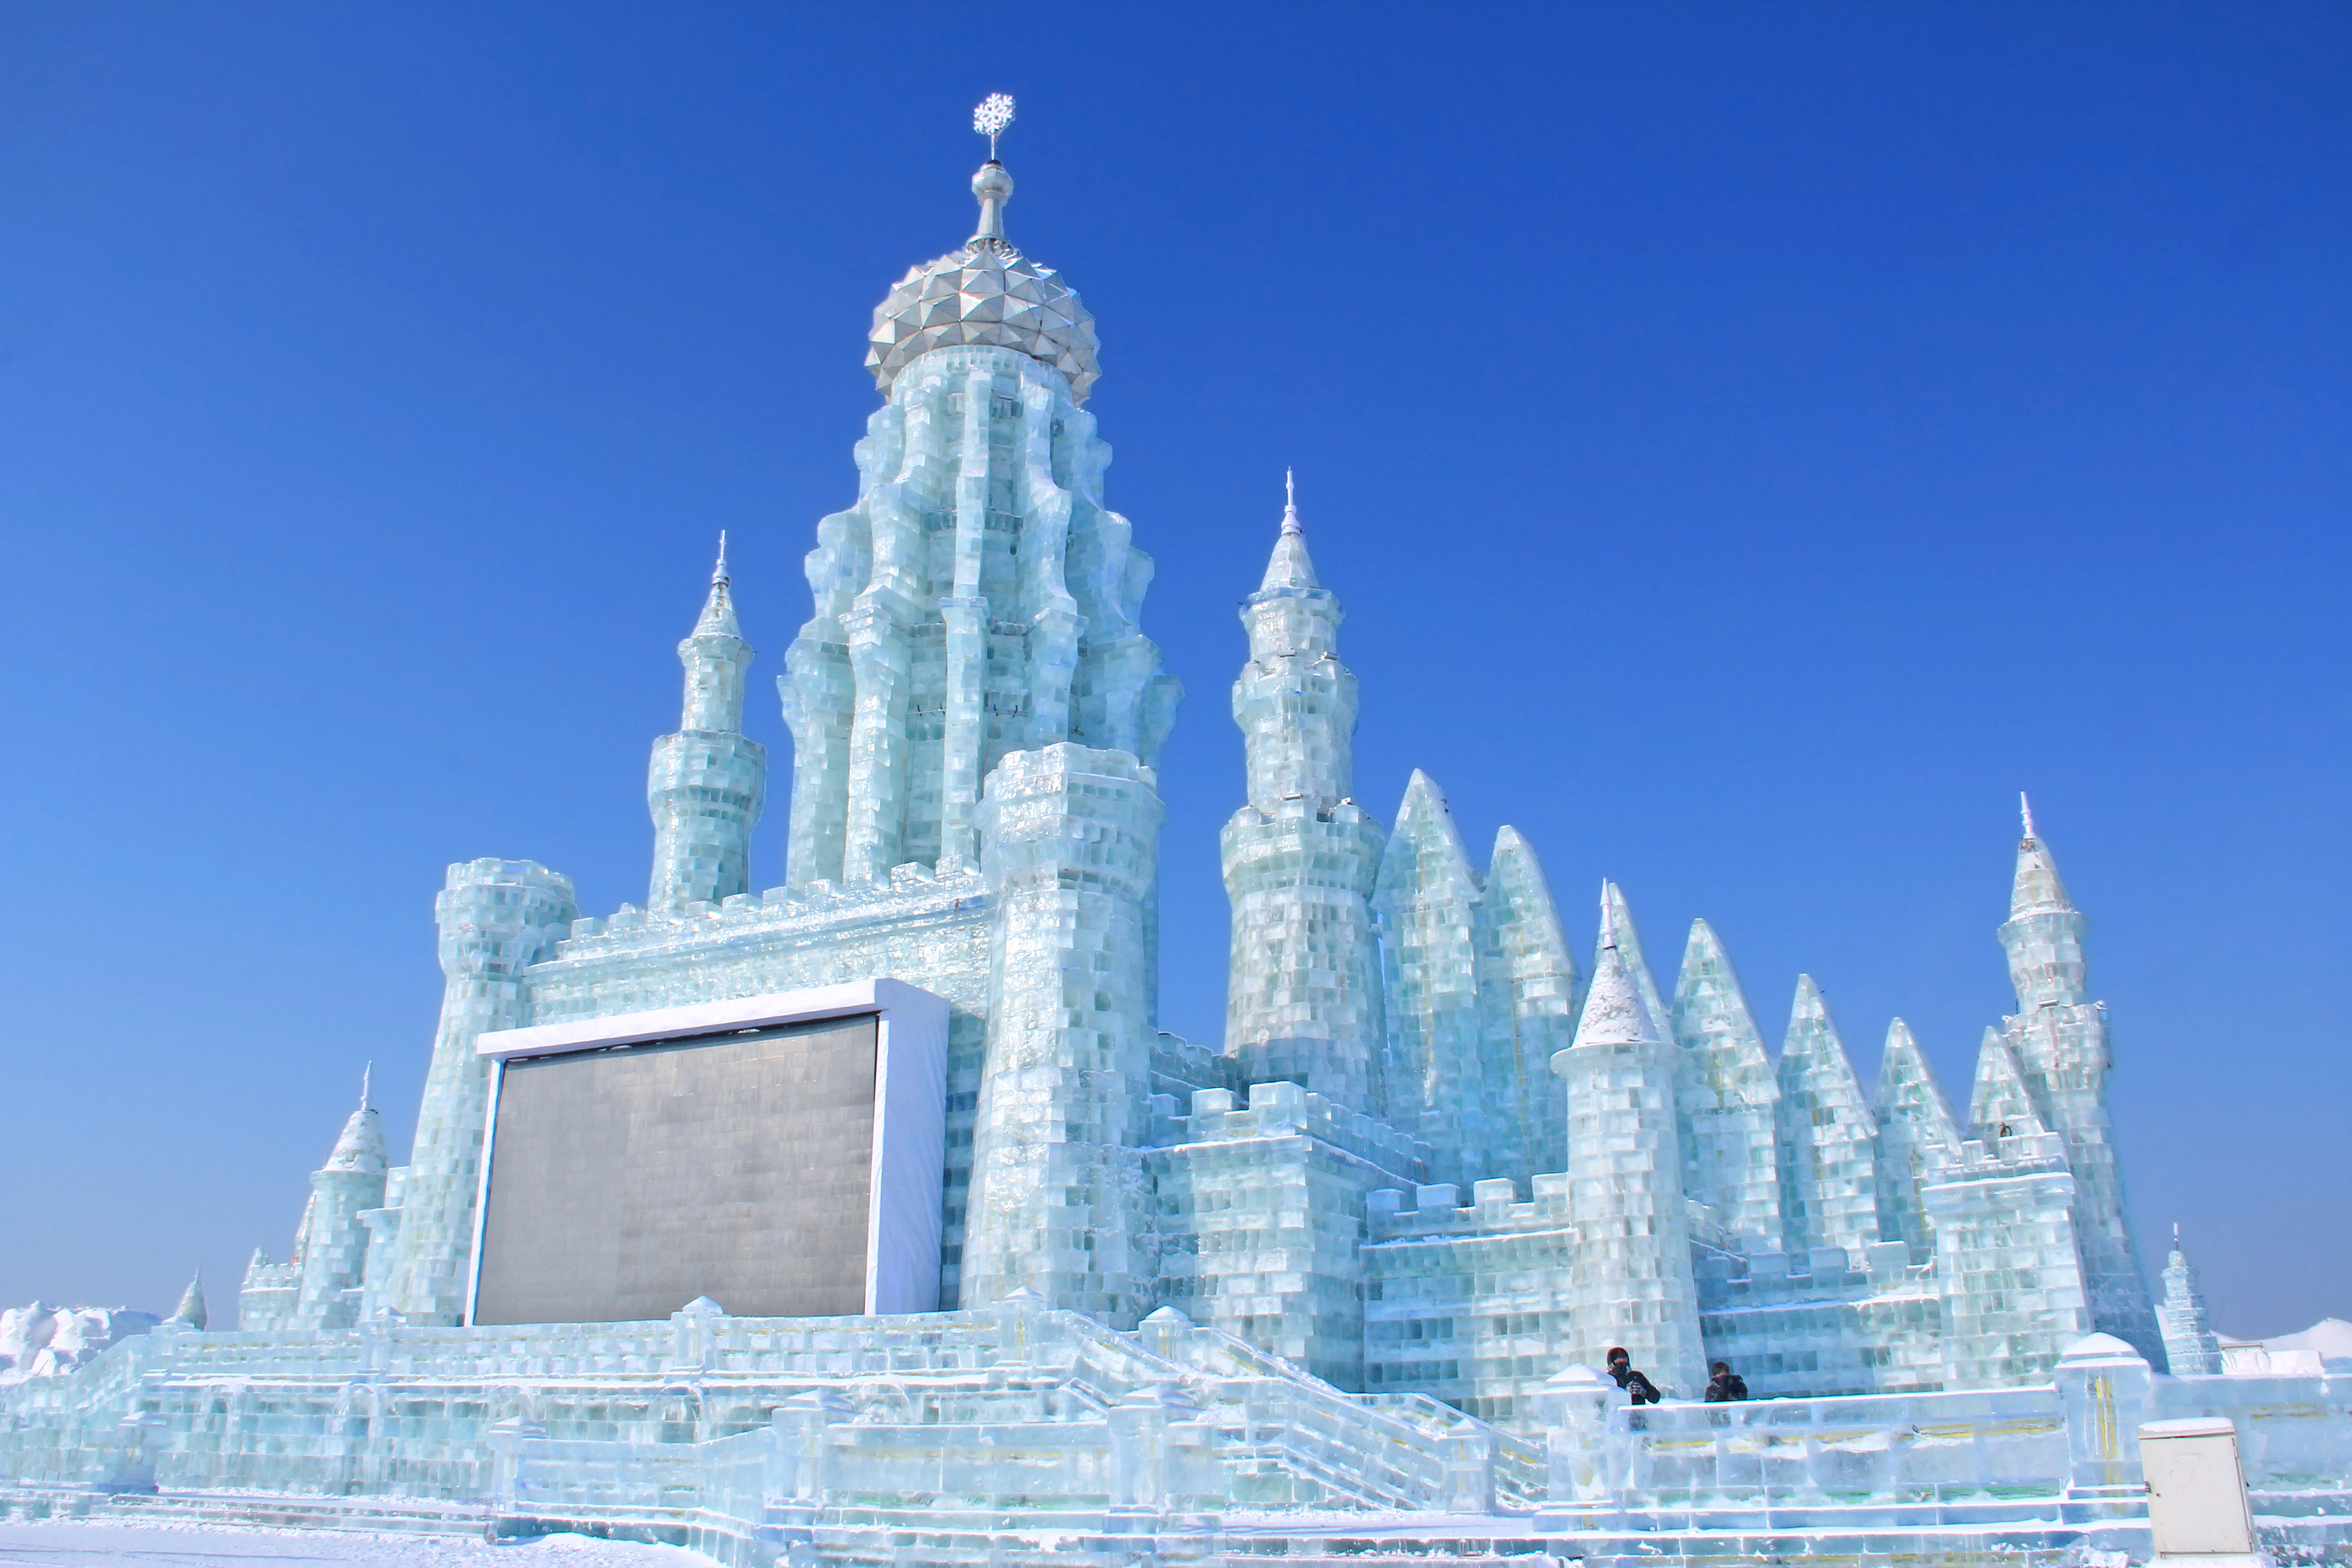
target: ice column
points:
(334, 1242)
(1916, 1137)
(2194, 1350)
(1527, 987)
(497, 918)
(708, 782)
(1631, 1282)
(1059, 1203)
(1428, 897)
(1725, 1097)
(1829, 1180)
(1303, 1001)
(2060, 1036)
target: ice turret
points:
(334, 1242)
(1725, 1097)
(708, 782)
(978, 599)
(2060, 1038)
(191, 1310)
(1829, 1180)
(1917, 1138)
(497, 919)
(2194, 1350)
(1631, 1281)
(1303, 996)
(1428, 897)
(2043, 936)
(1527, 988)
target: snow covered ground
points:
(43, 1545)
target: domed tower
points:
(978, 599)
(974, 685)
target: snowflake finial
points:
(994, 113)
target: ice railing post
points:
(1467, 1451)
(510, 1482)
(797, 1454)
(2106, 1387)
(1574, 1409)
(1144, 1479)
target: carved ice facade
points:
(1175, 1276)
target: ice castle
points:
(871, 1217)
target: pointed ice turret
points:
(709, 780)
(2189, 1345)
(1916, 1137)
(2000, 1105)
(1528, 991)
(1303, 991)
(2059, 1036)
(1829, 1179)
(1429, 900)
(333, 1249)
(1631, 1281)
(191, 1310)
(1725, 1097)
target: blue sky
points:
(1752, 444)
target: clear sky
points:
(1752, 443)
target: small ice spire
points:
(993, 185)
(367, 1074)
(2025, 811)
(719, 610)
(1290, 567)
(1608, 917)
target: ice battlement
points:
(2027, 1153)
(1286, 1111)
(817, 907)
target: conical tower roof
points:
(2036, 888)
(1424, 848)
(1907, 1090)
(717, 618)
(1620, 919)
(1289, 569)
(361, 1147)
(1813, 1063)
(1712, 1023)
(2000, 1098)
(191, 1310)
(1615, 1013)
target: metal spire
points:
(719, 573)
(2025, 810)
(366, 1073)
(1291, 503)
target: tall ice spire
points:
(2057, 1039)
(1428, 896)
(708, 782)
(1724, 1094)
(1303, 997)
(1829, 1175)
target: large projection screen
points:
(623, 1182)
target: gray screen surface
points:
(625, 1183)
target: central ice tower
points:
(974, 687)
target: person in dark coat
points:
(1725, 1385)
(1620, 1367)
